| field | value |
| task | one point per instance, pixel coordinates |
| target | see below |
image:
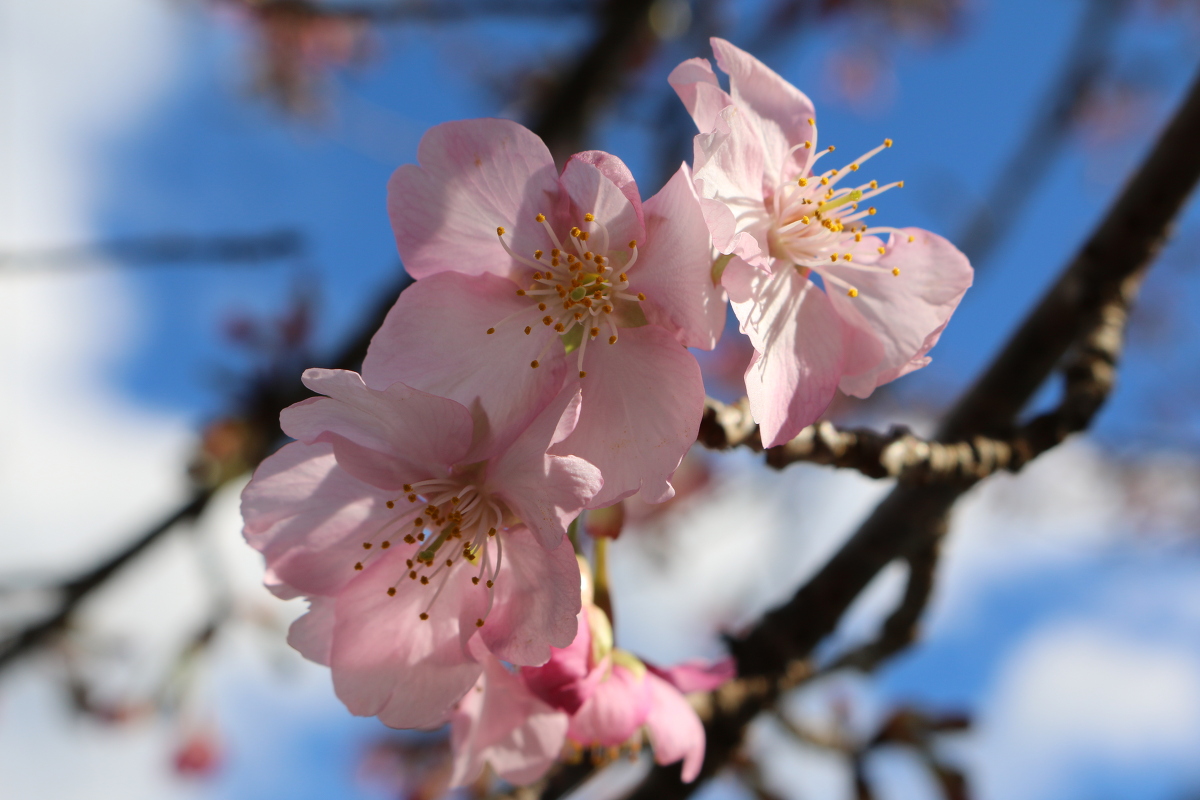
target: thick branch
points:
(1079, 309)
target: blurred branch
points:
(162, 250)
(75, 590)
(1030, 163)
(418, 10)
(1091, 295)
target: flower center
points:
(817, 224)
(458, 524)
(576, 287)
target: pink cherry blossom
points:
(588, 695)
(529, 279)
(782, 219)
(409, 539)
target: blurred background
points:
(192, 209)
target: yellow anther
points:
(391, 591)
(858, 237)
(831, 149)
(520, 292)
(540, 218)
(910, 238)
(546, 320)
(612, 340)
(589, 217)
(424, 615)
(833, 257)
(358, 565)
(588, 255)
(871, 211)
(882, 250)
(385, 544)
(528, 330)
(900, 184)
(560, 327)
(392, 503)
(887, 142)
(366, 545)
(854, 167)
(632, 243)
(478, 623)
(808, 144)
(624, 277)
(583, 236)
(824, 181)
(554, 253)
(541, 306)
(805, 220)
(594, 332)
(641, 296)
(833, 172)
(534, 363)
(874, 184)
(500, 231)
(895, 270)
(576, 231)
(848, 257)
(537, 253)
(852, 292)
(582, 374)
(475, 580)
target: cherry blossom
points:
(784, 220)
(409, 540)
(588, 696)
(529, 279)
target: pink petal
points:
(500, 723)
(778, 110)
(387, 438)
(799, 347)
(312, 634)
(545, 492)
(615, 170)
(905, 314)
(698, 675)
(475, 175)
(675, 730)
(729, 168)
(642, 402)
(386, 661)
(563, 681)
(308, 517)
(701, 93)
(435, 339)
(674, 267)
(593, 191)
(617, 708)
(536, 600)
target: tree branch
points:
(1080, 309)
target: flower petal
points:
(435, 339)
(675, 730)
(799, 347)
(312, 634)
(387, 438)
(905, 314)
(617, 708)
(593, 191)
(728, 168)
(642, 402)
(536, 600)
(500, 723)
(386, 661)
(615, 170)
(779, 111)
(697, 675)
(546, 492)
(308, 517)
(564, 681)
(701, 93)
(475, 175)
(674, 267)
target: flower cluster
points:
(539, 367)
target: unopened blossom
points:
(589, 696)
(785, 213)
(529, 279)
(412, 543)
